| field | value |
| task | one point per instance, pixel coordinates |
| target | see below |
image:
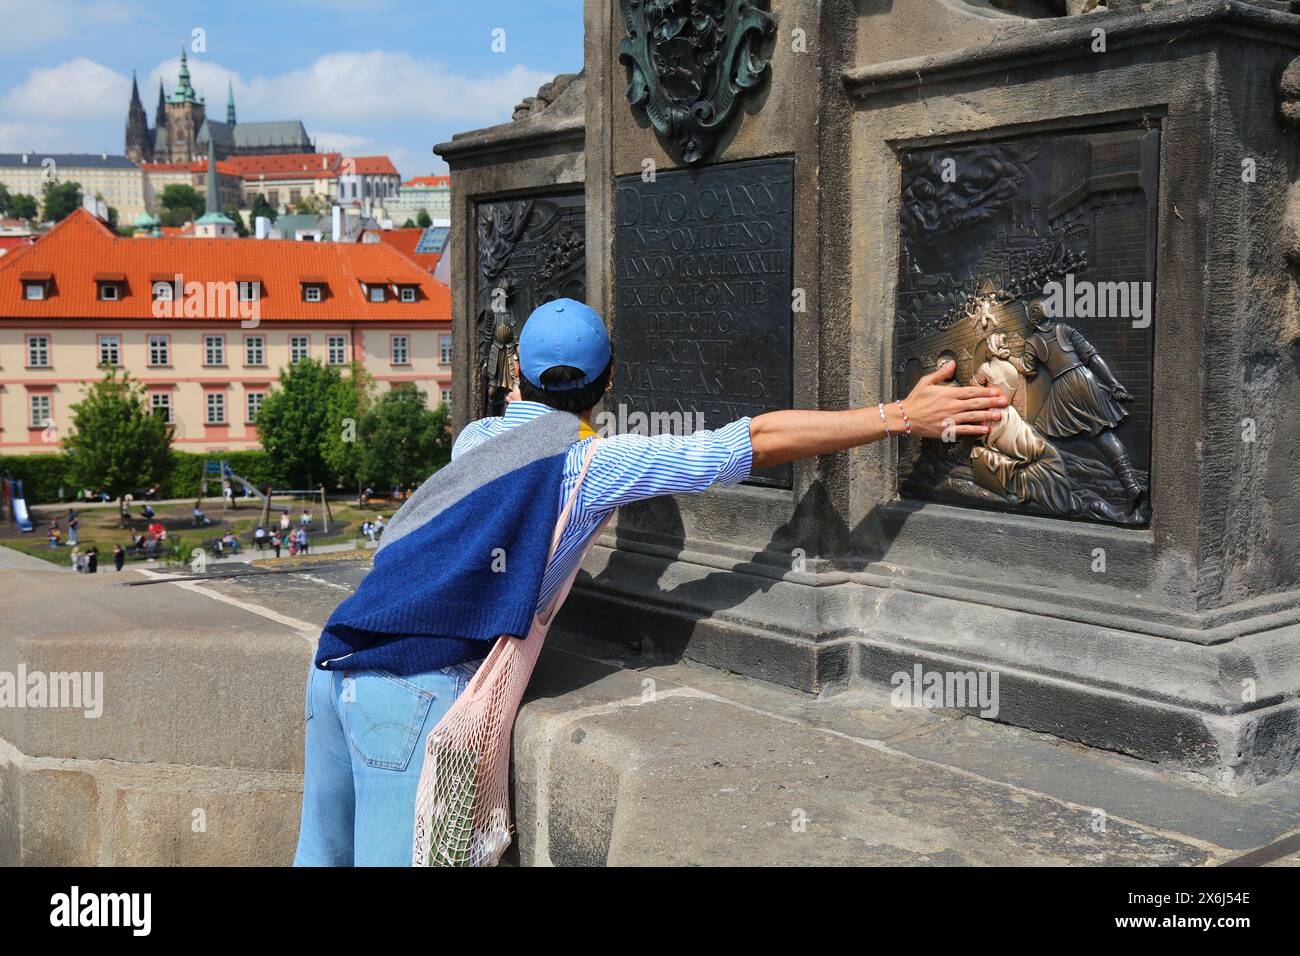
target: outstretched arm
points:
(932, 407)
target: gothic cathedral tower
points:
(185, 115)
(139, 141)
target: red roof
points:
(224, 167)
(429, 181)
(373, 166)
(405, 241)
(81, 247)
(15, 242)
(288, 166)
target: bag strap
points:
(568, 505)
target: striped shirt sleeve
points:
(471, 436)
(627, 468)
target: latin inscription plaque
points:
(703, 282)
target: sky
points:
(366, 77)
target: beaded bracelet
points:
(907, 425)
(883, 420)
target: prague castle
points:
(182, 129)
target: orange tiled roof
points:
(288, 166)
(198, 166)
(405, 241)
(429, 181)
(374, 166)
(81, 247)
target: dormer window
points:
(109, 286)
(313, 288)
(408, 293)
(162, 290)
(377, 293)
(36, 285)
(250, 288)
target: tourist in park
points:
(302, 540)
(259, 538)
(275, 543)
(92, 560)
(78, 559)
(73, 522)
(430, 611)
(119, 557)
(54, 534)
(284, 521)
(200, 519)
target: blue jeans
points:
(364, 751)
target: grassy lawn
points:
(99, 525)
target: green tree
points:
(5, 200)
(423, 220)
(61, 200)
(341, 445)
(241, 229)
(263, 208)
(181, 203)
(23, 206)
(409, 224)
(403, 441)
(294, 419)
(117, 442)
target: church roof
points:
(275, 134)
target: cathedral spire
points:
(230, 102)
(160, 117)
(139, 144)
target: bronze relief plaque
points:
(703, 278)
(1031, 264)
(529, 251)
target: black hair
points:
(573, 400)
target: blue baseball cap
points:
(563, 332)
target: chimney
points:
(336, 223)
(24, 159)
(262, 227)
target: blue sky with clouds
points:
(365, 76)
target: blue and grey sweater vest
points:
(462, 561)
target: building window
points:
(162, 291)
(216, 408)
(295, 195)
(446, 396)
(159, 350)
(214, 350)
(33, 291)
(38, 351)
(249, 291)
(444, 349)
(42, 409)
(108, 292)
(110, 352)
(299, 348)
(254, 405)
(273, 197)
(401, 350)
(254, 350)
(161, 403)
(408, 293)
(338, 349)
(312, 293)
(377, 293)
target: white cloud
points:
(30, 137)
(30, 24)
(341, 142)
(77, 89)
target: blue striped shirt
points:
(625, 468)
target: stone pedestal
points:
(1166, 627)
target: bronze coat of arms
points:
(689, 63)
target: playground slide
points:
(252, 489)
(21, 518)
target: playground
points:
(100, 525)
